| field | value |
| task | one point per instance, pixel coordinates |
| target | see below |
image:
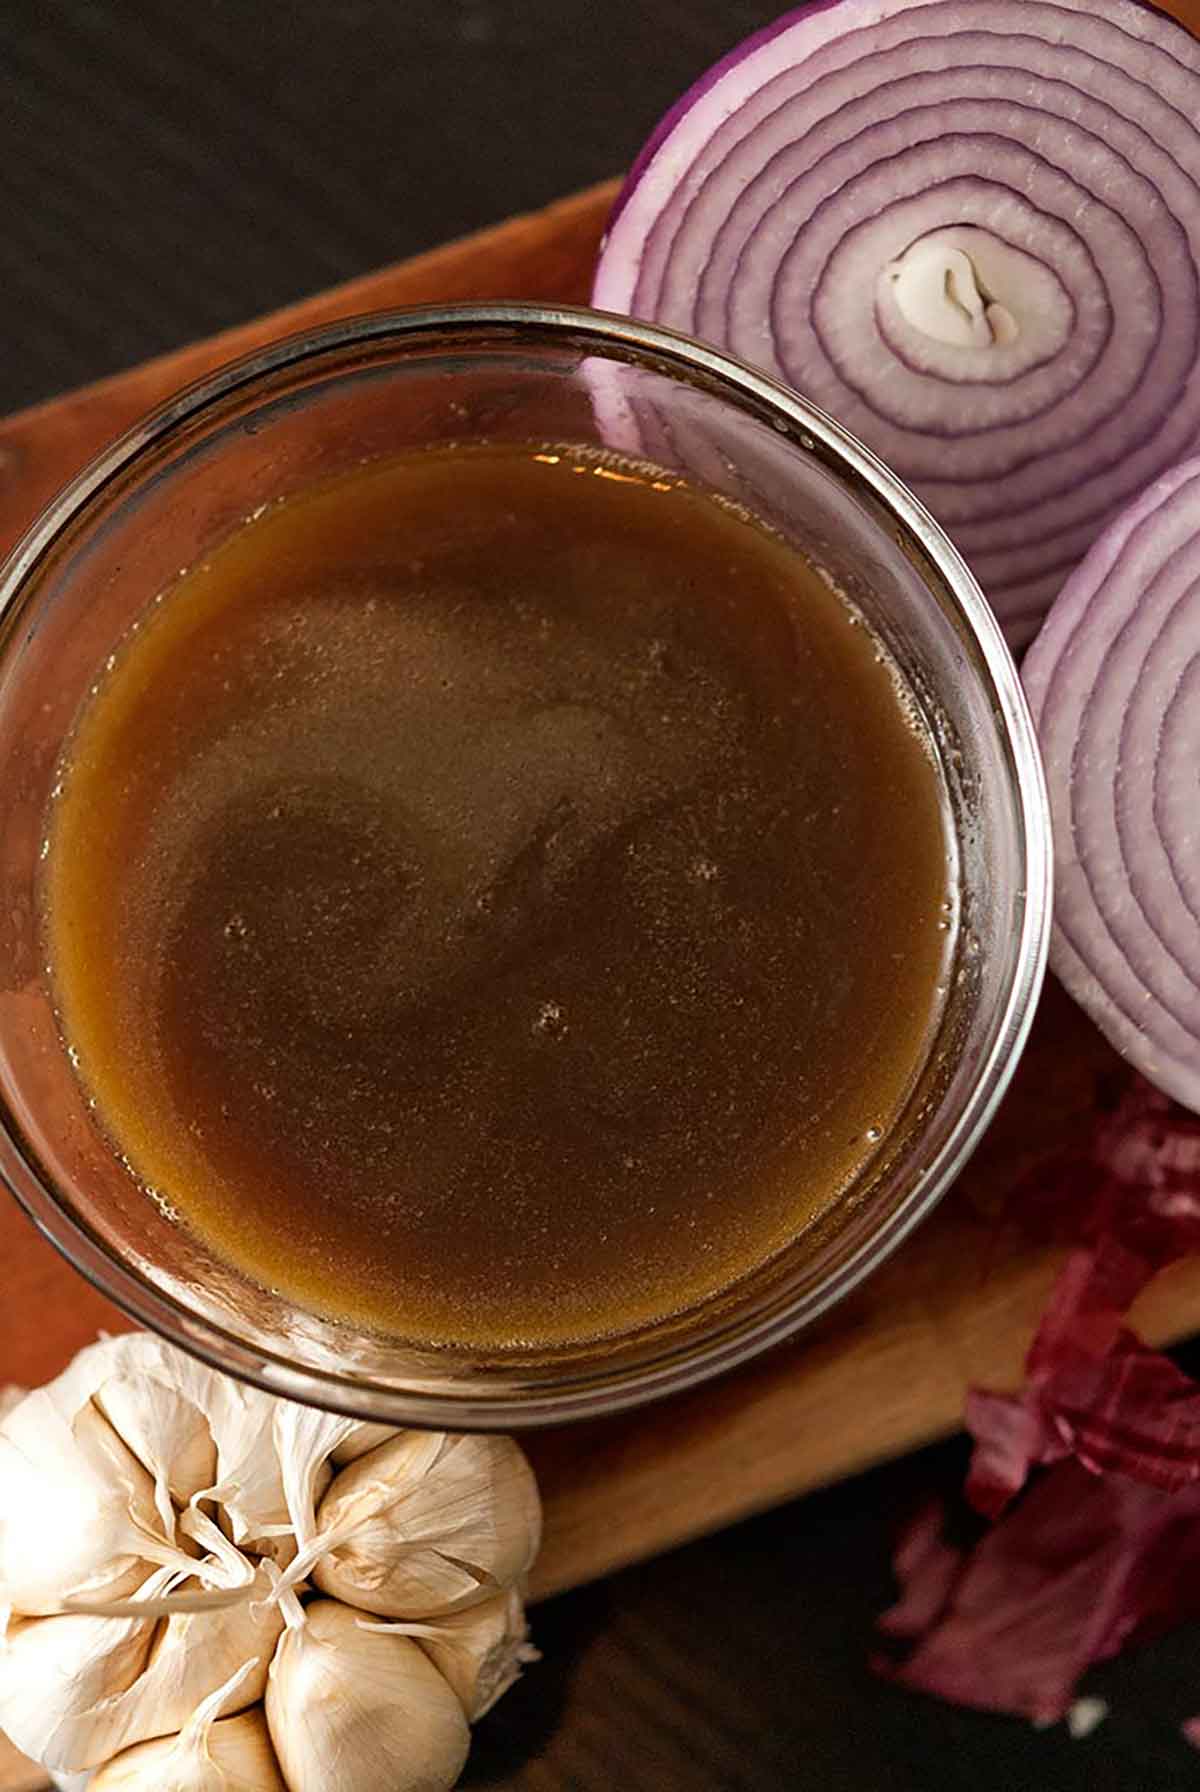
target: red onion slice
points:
(970, 231)
(1114, 683)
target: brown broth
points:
(498, 897)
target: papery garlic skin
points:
(156, 1399)
(272, 1468)
(58, 1708)
(351, 1710)
(78, 1514)
(210, 1754)
(51, 1668)
(162, 1415)
(151, 1418)
(365, 1435)
(249, 1483)
(239, 1758)
(304, 1441)
(429, 1522)
(479, 1651)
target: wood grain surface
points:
(890, 1368)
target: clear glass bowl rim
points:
(681, 1365)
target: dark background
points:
(169, 168)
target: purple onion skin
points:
(1020, 590)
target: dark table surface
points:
(170, 168)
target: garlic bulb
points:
(210, 1754)
(428, 1522)
(78, 1515)
(74, 1690)
(352, 1710)
(160, 1530)
(479, 1651)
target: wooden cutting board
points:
(887, 1371)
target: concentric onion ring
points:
(971, 232)
(1114, 683)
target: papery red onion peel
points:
(1092, 1471)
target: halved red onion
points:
(970, 230)
(1114, 683)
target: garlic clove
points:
(238, 1758)
(72, 1717)
(78, 1514)
(479, 1651)
(359, 1711)
(193, 1653)
(210, 1753)
(156, 1398)
(363, 1435)
(241, 1748)
(428, 1523)
(51, 1668)
(167, 1434)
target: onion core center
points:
(939, 290)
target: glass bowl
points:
(270, 425)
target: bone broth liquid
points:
(499, 897)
